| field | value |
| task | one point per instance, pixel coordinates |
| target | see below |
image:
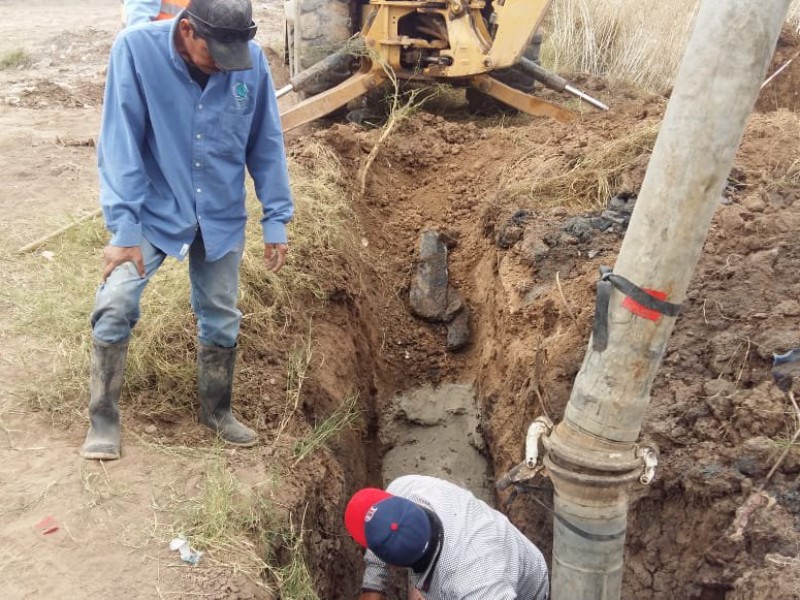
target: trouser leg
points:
(215, 291)
(116, 312)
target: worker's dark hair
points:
(197, 28)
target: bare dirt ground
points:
(528, 278)
(110, 540)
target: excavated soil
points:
(526, 261)
(716, 416)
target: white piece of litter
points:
(188, 555)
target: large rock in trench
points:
(432, 297)
(428, 295)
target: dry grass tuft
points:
(588, 184)
(15, 59)
(634, 41)
(289, 568)
(322, 242)
(299, 364)
(242, 530)
(639, 42)
(224, 509)
(794, 15)
(324, 432)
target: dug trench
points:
(529, 210)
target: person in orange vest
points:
(135, 12)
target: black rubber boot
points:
(215, 385)
(105, 384)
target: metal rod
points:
(284, 90)
(591, 455)
(556, 82)
(779, 71)
(585, 97)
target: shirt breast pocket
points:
(234, 133)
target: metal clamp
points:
(649, 458)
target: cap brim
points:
(357, 509)
(231, 56)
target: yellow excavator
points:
(339, 50)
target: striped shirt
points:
(483, 557)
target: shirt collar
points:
(427, 576)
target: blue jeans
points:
(215, 289)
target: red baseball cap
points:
(357, 509)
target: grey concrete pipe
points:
(592, 455)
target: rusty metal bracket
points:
(328, 101)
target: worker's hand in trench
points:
(414, 593)
(275, 256)
(114, 256)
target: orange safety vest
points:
(171, 9)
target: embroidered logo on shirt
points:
(240, 92)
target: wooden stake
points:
(43, 240)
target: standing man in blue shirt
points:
(136, 12)
(189, 103)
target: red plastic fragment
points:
(47, 526)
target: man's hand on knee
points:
(114, 256)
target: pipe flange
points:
(595, 480)
(595, 454)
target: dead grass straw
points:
(402, 105)
(640, 42)
(53, 299)
(289, 568)
(589, 183)
(328, 429)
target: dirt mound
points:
(84, 46)
(48, 94)
(64, 71)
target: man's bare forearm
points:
(371, 596)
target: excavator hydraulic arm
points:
(432, 40)
(517, 21)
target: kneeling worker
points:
(453, 544)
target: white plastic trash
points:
(188, 555)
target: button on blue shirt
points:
(171, 155)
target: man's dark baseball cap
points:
(227, 26)
(396, 529)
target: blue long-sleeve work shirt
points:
(172, 155)
(141, 11)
